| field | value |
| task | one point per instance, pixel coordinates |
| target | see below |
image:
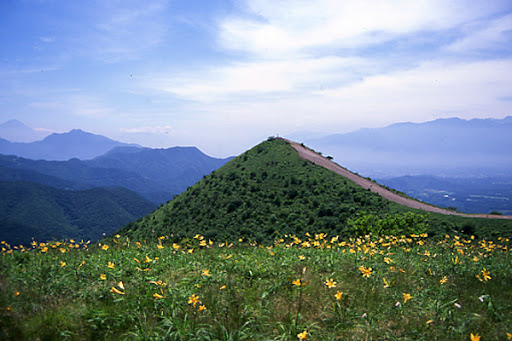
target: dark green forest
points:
(32, 211)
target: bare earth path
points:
(319, 160)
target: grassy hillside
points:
(269, 191)
(29, 210)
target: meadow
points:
(309, 287)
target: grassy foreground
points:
(314, 287)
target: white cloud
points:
(260, 78)
(291, 26)
(433, 89)
(482, 35)
(47, 39)
(148, 129)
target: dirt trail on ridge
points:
(308, 154)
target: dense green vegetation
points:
(270, 191)
(305, 287)
(31, 211)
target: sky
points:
(224, 75)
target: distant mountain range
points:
(156, 174)
(444, 147)
(84, 169)
(74, 144)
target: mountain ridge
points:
(63, 146)
(442, 147)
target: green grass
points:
(247, 291)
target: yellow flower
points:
(475, 337)
(509, 336)
(407, 297)
(116, 291)
(430, 321)
(135, 259)
(365, 272)
(148, 259)
(301, 257)
(202, 243)
(303, 335)
(486, 275)
(121, 285)
(159, 283)
(105, 247)
(202, 307)
(222, 287)
(386, 284)
(62, 263)
(193, 300)
(160, 246)
(330, 283)
(17, 293)
(297, 282)
(138, 244)
(475, 259)
(157, 296)
(110, 265)
(338, 294)
(388, 260)
(206, 272)
(443, 280)
(175, 246)
(103, 277)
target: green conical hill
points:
(267, 189)
(270, 191)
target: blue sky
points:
(224, 75)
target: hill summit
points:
(267, 191)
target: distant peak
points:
(77, 131)
(13, 124)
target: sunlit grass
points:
(314, 287)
